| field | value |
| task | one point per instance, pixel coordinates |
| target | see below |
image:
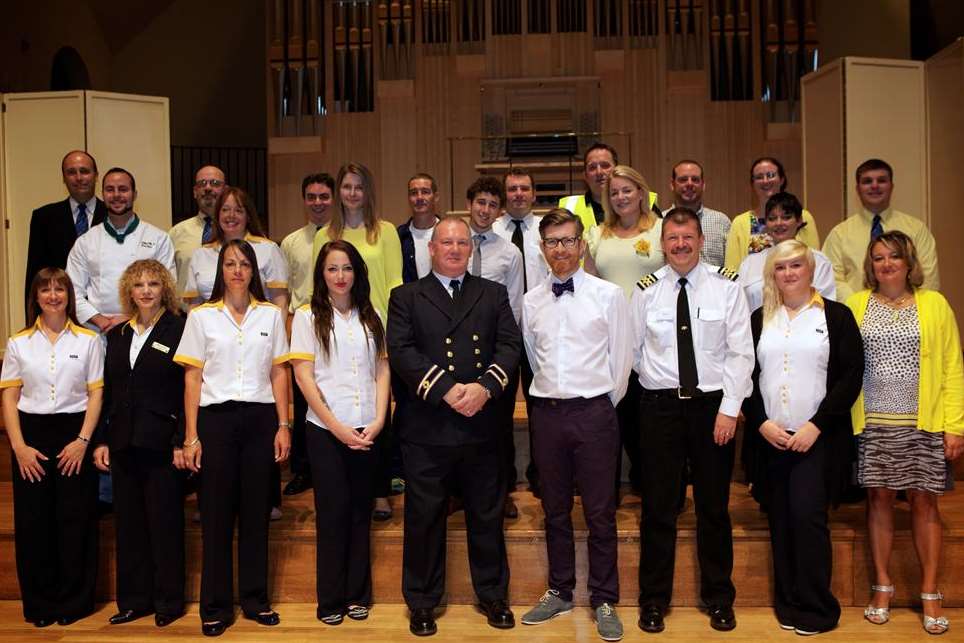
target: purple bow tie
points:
(558, 289)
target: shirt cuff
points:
(730, 407)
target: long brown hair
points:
(255, 288)
(360, 296)
(337, 225)
(42, 278)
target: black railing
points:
(245, 167)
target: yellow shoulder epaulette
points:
(732, 275)
(647, 281)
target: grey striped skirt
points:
(902, 458)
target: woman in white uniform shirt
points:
(784, 220)
(52, 383)
(809, 369)
(236, 409)
(237, 218)
(338, 350)
(622, 250)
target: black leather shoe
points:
(67, 620)
(163, 620)
(511, 511)
(422, 622)
(498, 614)
(215, 628)
(126, 616)
(297, 484)
(269, 618)
(651, 619)
(722, 618)
(43, 622)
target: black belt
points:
(681, 393)
(569, 401)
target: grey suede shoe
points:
(549, 607)
(608, 624)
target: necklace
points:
(894, 303)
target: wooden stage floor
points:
(462, 624)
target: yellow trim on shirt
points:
(11, 383)
(93, 386)
(308, 357)
(281, 359)
(188, 361)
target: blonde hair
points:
(783, 251)
(156, 270)
(646, 217)
(902, 244)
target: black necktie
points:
(688, 378)
(559, 288)
(456, 290)
(517, 240)
(80, 225)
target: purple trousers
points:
(576, 441)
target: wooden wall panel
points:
(885, 108)
(396, 100)
(823, 151)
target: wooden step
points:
(292, 551)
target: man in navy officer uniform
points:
(694, 356)
(454, 341)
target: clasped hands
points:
(800, 441)
(467, 399)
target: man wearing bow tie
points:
(453, 341)
(578, 338)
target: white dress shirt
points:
(235, 359)
(204, 265)
(296, 248)
(138, 339)
(535, 263)
(721, 333)
(420, 239)
(91, 205)
(580, 343)
(57, 377)
(502, 263)
(793, 356)
(186, 237)
(447, 282)
(346, 376)
(96, 262)
(751, 276)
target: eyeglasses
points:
(766, 176)
(203, 183)
(567, 242)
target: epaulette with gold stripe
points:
(647, 281)
(732, 275)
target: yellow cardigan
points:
(940, 398)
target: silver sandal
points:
(878, 615)
(932, 625)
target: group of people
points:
(629, 328)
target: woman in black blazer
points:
(809, 370)
(140, 441)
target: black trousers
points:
(429, 473)
(506, 406)
(237, 441)
(298, 459)
(55, 524)
(627, 412)
(802, 552)
(383, 457)
(673, 431)
(149, 523)
(577, 441)
(344, 484)
(525, 374)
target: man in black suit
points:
(453, 340)
(55, 226)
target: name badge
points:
(160, 347)
(147, 244)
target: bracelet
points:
(193, 442)
(83, 439)
(285, 425)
